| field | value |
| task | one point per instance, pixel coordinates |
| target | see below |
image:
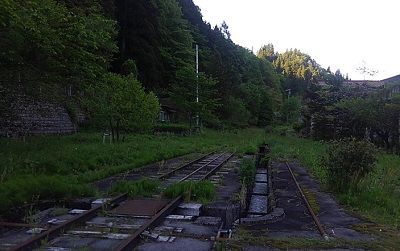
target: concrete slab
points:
(208, 221)
(260, 188)
(258, 205)
(261, 177)
(190, 228)
(193, 209)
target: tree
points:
(267, 52)
(225, 30)
(47, 45)
(183, 93)
(122, 103)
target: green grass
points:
(203, 191)
(141, 188)
(377, 196)
(76, 160)
(26, 189)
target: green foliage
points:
(47, 44)
(379, 116)
(347, 162)
(142, 188)
(299, 69)
(267, 52)
(203, 191)
(237, 113)
(129, 68)
(247, 172)
(291, 109)
(121, 102)
(183, 93)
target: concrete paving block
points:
(192, 209)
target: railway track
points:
(113, 223)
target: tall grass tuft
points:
(142, 188)
(203, 191)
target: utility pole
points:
(197, 84)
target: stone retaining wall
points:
(26, 116)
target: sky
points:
(342, 34)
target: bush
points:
(347, 161)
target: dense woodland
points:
(115, 60)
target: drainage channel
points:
(118, 223)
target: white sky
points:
(336, 33)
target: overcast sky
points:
(336, 33)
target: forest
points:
(116, 61)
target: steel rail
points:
(166, 175)
(200, 168)
(131, 242)
(315, 218)
(35, 241)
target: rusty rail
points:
(315, 218)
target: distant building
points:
(168, 112)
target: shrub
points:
(347, 161)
